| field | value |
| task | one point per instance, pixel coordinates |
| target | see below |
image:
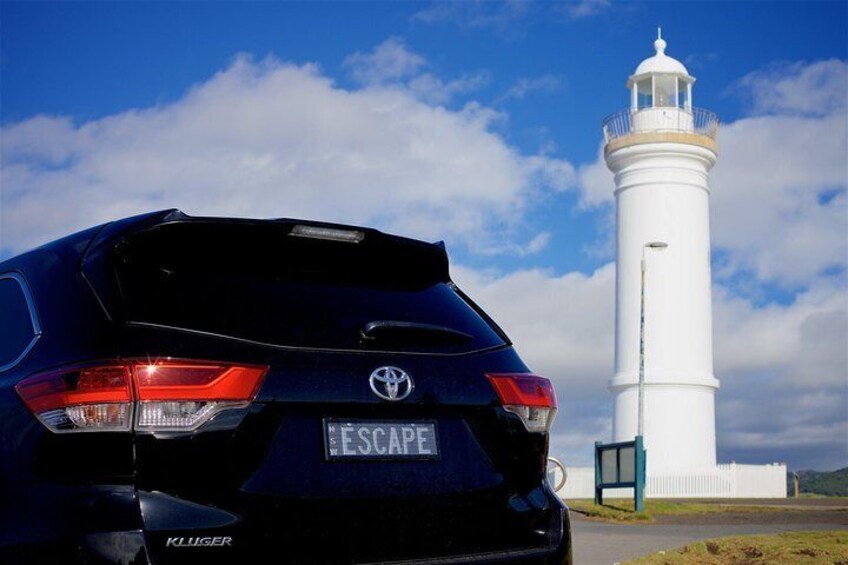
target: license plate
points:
(361, 439)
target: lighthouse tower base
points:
(683, 412)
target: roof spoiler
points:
(100, 277)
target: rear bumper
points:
(362, 532)
(128, 548)
(150, 545)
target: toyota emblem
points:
(391, 383)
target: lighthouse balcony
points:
(659, 124)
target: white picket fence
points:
(723, 481)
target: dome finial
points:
(660, 43)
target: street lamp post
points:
(659, 245)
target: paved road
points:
(601, 543)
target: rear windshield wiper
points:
(388, 332)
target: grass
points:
(792, 548)
(613, 511)
(621, 509)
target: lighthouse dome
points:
(661, 63)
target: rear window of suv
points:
(256, 281)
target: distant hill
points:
(832, 483)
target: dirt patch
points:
(713, 548)
(752, 552)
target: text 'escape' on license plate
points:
(359, 439)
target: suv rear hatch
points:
(322, 307)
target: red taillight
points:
(529, 396)
(91, 398)
(176, 396)
(186, 381)
(165, 396)
(80, 385)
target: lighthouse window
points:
(665, 90)
(681, 96)
(644, 91)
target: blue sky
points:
(524, 86)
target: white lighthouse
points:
(661, 150)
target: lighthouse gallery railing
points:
(658, 119)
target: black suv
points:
(178, 389)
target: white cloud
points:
(271, 139)
(509, 19)
(525, 86)
(701, 60)
(801, 345)
(596, 182)
(505, 18)
(433, 90)
(784, 374)
(816, 89)
(392, 65)
(778, 196)
(389, 61)
(538, 243)
(579, 9)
